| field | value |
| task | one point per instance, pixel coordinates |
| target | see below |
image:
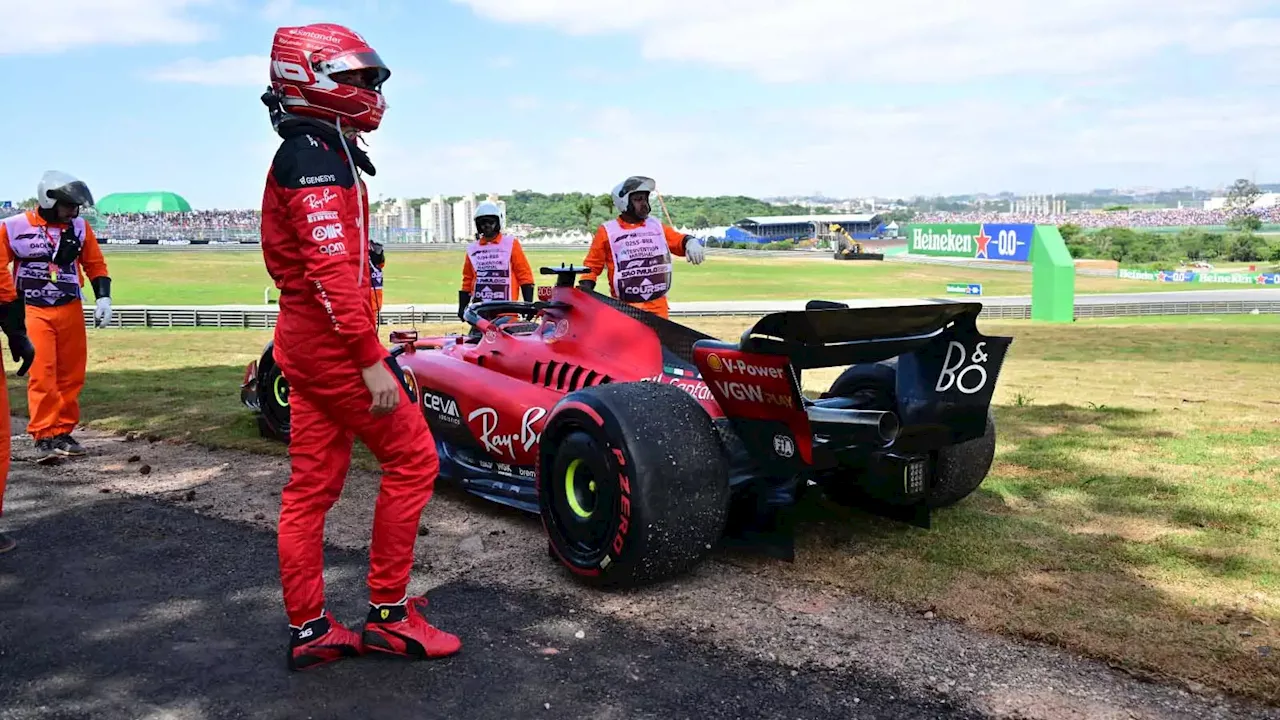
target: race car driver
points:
(52, 249)
(641, 246)
(12, 322)
(325, 91)
(495, 263)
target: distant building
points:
(436, 220)
(463, 220)
(1264, 201)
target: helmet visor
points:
(75, 193)
(362, 69)
(636, 183)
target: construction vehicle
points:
(849, 249)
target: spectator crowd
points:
(197, 224)
(1163, 217)
(233, 225)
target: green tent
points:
(142, 202)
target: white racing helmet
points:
(622, 191)
(486, 208)
(56, 185)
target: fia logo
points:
(783, 446)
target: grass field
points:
(238, 277)
(1133, 512)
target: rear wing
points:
(945, 378)
(829, 335)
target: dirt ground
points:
(741, 605)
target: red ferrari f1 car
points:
(643, 443)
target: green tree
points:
(29, 204)
(586, 206)
(1246, 247)
(1239, 206)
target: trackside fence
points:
(265, 317)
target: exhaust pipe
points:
(879, 425)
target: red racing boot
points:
(321, 641)
(402, 629)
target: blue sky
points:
(713, 96)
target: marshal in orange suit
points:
(52, 250)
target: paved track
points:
(122, 608)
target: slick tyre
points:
(273, 398)
(873, 385)
(633, 487)
(960, 469)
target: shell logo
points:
(412, 381)
(713, 361)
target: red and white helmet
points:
(329, 72)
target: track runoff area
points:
(1130, 512)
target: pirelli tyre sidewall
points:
(273, 398)
(633, 487)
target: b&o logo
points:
(965, 372)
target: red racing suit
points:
(314, 215)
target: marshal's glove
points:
(464, 299)
(69, 247)
(13, 320)
(102, 311)
(694, 251)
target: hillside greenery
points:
(581, 211)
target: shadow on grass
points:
(1087, 535)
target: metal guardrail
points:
(265, 318)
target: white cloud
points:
(31, 28)
(291, 12)
(907, 40)
(1063, 145)
(237, 71)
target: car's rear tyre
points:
(958, 469)
(273, 398)
(632, 483)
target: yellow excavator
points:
(849, 249)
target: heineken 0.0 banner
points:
(1236, 278)
(976, 241)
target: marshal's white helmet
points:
(622, 191)
(55, 186)
(486, 208)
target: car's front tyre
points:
(273, 398)
(632, 484)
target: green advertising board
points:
(943, 240)
(1053, 273)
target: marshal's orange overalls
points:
(59, 337)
